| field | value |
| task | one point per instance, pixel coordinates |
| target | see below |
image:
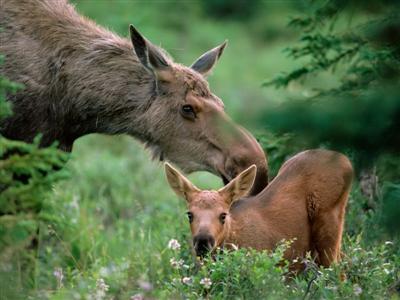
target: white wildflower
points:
(206, 282)
(357, 290)
(137, 297)
(174, 244)
(101, 285)
(101, 289)
(187, 280)
(388, 243)
(176, 264)
(58, 274)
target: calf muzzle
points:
(203, 244)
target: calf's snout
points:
(203, 243)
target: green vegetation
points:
(101, 227)
(27, 174)
(360, 113)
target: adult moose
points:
(306, 201)
(80, 78)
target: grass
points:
(119, 216)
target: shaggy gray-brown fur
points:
(80, 78)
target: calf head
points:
(208, 211)
(187, 124)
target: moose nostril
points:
(203, 244)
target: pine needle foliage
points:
(358, 43)
(362, 111)
(27, 174)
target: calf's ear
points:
(179, 183)
(151, 57)
(239, 186)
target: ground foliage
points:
(27, 174)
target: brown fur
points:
(80, 78)
(306, 202)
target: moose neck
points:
(85, 80)
(108, 91)
(243, 219)
(231, 233)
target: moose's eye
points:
(187, 112)
(190, 216)
(222, 218)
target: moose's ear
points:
(151, 57)
(179, 183)
(206, 62)
(239, 186)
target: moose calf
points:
(305, 202)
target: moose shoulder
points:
(80, 78)
(305, 202)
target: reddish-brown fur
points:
(306, 202)
(80, 78)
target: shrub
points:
(250, 274)
(27, 174)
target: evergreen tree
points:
(27, 174)
(361, 114)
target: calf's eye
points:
(190, 216)
(222, 218)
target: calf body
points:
(80, 78)
(305, 202)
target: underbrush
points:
(248, 274)
(109, 238)
(172, 273)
